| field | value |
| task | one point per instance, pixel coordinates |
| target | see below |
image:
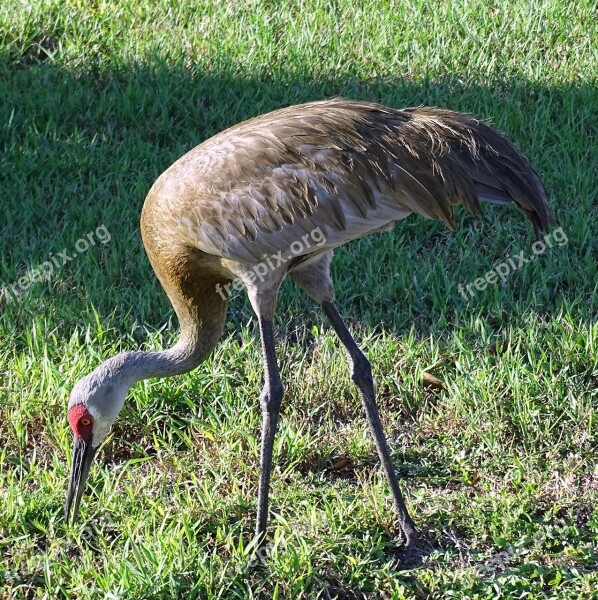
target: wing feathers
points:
(347, 167)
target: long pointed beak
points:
(83, 453)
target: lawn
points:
(497, 454)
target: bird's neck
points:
(202, 324)
(184, 356)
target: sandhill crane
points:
(243, 207)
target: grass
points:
(499, 461)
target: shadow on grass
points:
(82, 149)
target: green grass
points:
(499, 465)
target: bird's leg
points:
(361, 374)
(270, 400)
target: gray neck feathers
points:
(131, 367)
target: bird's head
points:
(93, 407)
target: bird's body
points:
(348, 168)
(273, 197)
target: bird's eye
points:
(85, 422)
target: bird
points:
(273, 197)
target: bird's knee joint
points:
(271, 397)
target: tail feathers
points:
(476, 163)
(490, 194)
